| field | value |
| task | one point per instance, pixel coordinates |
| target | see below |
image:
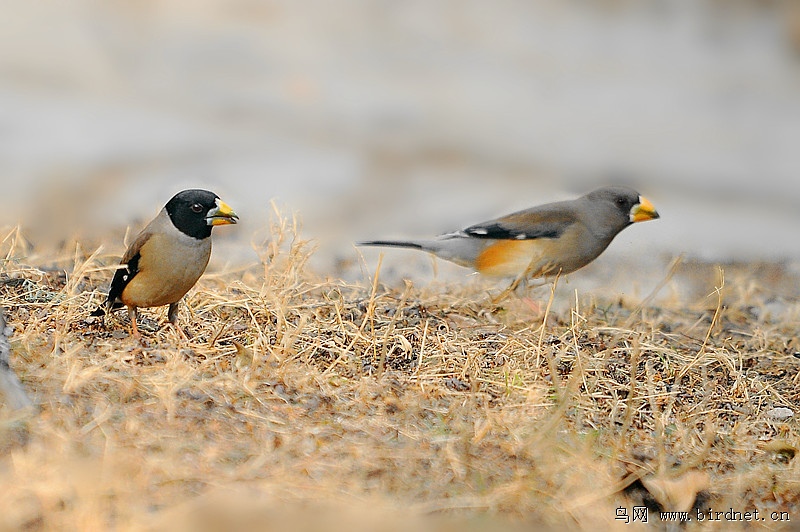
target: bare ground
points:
(308, 403)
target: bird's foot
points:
(142, 340)
(534, 304)
(185, 336)
(503, 296)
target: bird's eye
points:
(621, 202)
(196, 207)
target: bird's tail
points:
(395, 244)
(455, 247)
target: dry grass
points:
(310, 402)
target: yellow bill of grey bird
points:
(168, 256)
(543, 241)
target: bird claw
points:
(185, 336)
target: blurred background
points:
(390, 119)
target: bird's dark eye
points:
(621, 202)
(196, 207)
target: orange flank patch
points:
(511, 258)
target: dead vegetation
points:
(313, 402)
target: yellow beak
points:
(222, 215)
(643, 211)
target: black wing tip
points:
(499, 232)
(493, 231)
(105, 308)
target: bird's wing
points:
(129, 267)
(546, 221)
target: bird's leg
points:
(524, 295)
(521, 280)
(522, 290)
(172, 313)
(542, 277)
(172, 316)
(512, 288)
(520, 286)
(132, 315)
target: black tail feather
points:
(391, 244)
